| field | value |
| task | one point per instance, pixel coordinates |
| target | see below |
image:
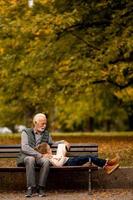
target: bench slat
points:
(80, 149)
(11, 155)
(54, 146)
(8, 150)
(71, 150)
(64, 168)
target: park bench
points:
(11, 151)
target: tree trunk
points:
(90, 125)
(130, 122)
(108, 125)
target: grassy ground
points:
(110, 144)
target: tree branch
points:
(120, 86)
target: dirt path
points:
(112, 194)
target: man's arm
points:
(26, 148)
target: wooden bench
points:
(11, 151)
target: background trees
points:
(72, 60)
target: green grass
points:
(94, 134)
(97, 133)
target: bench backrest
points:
(80, 149)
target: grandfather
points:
(29, 157)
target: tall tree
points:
(68, 58)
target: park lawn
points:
(110, 144)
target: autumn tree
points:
(71, 59)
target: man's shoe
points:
(29, 192)
(111, 168)
(113, 161)
(41, 192)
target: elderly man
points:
(29, 157)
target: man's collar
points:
(35, 132)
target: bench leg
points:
(90, 179)
(89, 182)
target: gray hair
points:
(38, 116)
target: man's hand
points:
(67, 145)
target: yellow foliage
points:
(13, 1)
(104, 73)
(130, 92)
(58, 20)
(1, 51)
(45, 1)
(125, 94)
(65, 62)
(48, 31)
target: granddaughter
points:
(60, 159)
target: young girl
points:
(60, 159)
